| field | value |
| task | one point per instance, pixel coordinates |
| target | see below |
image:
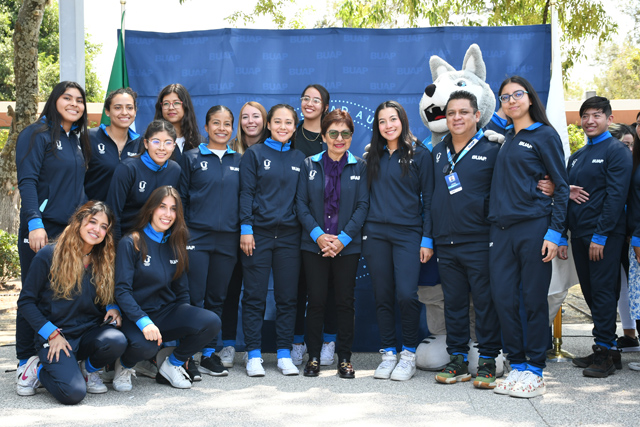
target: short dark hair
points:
(336, 116)
(463, 94)
(597, 103)
(155, 127)
(121, 91)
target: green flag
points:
(119, 77)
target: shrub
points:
(4, 135)
(576, 137)
(9, 260)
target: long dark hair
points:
(267, 132)
(51, 120)
(636, 149)
(155, 127)
(189, 123)
(536, 109)
(179, 231)
(378, 142)
(214, 110)
(324, 94)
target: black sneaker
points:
(213, 366)
(602, 365)
(192, 370)
(585, 362)
(626, 343)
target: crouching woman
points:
(68, 298)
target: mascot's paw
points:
(431, 354)
(366, 151)
(494, 136)
(473, 360)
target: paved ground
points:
(276, 400)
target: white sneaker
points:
(384, 369)
(146, 368)
(227, 355)
(287, 366)
(175, 375)
(122, 377)
(507, 384)
(27, 378)
(93, 380)
(327, 353)
(406, 367)
(254, 367)
(297, 353)
(634, 366)
(529, 385)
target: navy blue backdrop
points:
(360, 67)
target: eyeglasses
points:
(316, 101)
(516, 95)
(175, 104)
(333, 134)
(158, 143)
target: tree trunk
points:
(25, 63)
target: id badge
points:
(453, 183)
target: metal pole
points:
(557, 354)
(123, 4)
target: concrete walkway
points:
(276, 400)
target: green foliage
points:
(4, 134)
(621, 77)
(581, 21)
(576, 137)
(9, 260)
(48, 54)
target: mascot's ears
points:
(472, 62)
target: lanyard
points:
(478, 136)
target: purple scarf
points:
(332, 172)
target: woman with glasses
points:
(332, 202)
(174, 105)
(397, 235)
(314, 105)
(111, 144)
(526, 227)
(136, 177)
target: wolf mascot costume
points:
(432, 354)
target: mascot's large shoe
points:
(447, 80)
(431, 354)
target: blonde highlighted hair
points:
(67, 268)
(239, 144)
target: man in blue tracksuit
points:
(461, 233)
(603, 168)
(105, 157)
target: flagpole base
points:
(557, 354)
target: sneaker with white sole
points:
(507, 384)
(147, 368)
(93, 380)
(385, 368)
(227, 355)
(254, 367)
(287, 367)
(406, 367)
(27, 379)
(297, 353)
(327, 353)
(108, 373)
(529, 385)
(174, 375)
(213, 366)
(122, 377)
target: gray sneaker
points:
(27, 379)
(94, 382)
(227, 355)
(297, 353)
(146, 368)
(122, 377)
